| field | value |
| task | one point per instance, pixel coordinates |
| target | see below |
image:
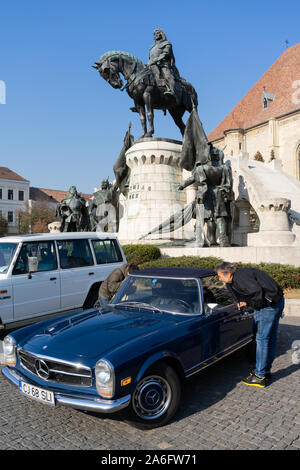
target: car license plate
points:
(39, 394)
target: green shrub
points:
(139, 254)
(288, 277)
(149, 256)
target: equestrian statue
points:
(156, 85)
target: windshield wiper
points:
(137, 304)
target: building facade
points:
(266, 122)
(14, 195)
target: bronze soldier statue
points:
(213, 199)
(73, 212)
(103, 209)
(162, 62)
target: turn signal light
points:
(125, 381)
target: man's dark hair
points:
(132, 267)
(225, 267)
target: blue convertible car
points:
(162, 326)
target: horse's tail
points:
(192, 96)
(189, 96)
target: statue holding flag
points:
(121, 169)
(104, 208)
(212, 206)
(213, 199)
(214, 184)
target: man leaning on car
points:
(110, 286)
(254, 288)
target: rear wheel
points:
(156, 397)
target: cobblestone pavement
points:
(217, 412)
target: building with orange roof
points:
(266, 122)
(51, 196)
(14, 194)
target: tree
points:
(35, 219)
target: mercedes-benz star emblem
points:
(42, 369)
(152, 397)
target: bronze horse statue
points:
(145, 89)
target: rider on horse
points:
(156, 85)
(162, 62)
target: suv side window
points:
(41, 255)
(107, 251)
(215, 292)
(74, 253)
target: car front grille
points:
(55, 371)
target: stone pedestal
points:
(243, 226)
(153, 194)
(274, 224)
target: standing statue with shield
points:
(103, 208)
(73, 212)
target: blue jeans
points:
(266, 321)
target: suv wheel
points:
(156, 397)
(92, 299)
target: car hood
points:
(91, 334)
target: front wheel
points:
(156, 397)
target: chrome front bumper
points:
(84, 402)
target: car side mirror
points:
(211, 307)
(32, 265)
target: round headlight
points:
(9, 345)
(103, 372)
(105, 378)
(9, 351)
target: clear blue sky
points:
(62, 124)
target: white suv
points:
(42, 274)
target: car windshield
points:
(7, 251)
(164, 294)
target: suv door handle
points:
(90, 274)
(52, 278)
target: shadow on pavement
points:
(212, 384)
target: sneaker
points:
(268, 375)
(255, 381)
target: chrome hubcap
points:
(152, 397)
